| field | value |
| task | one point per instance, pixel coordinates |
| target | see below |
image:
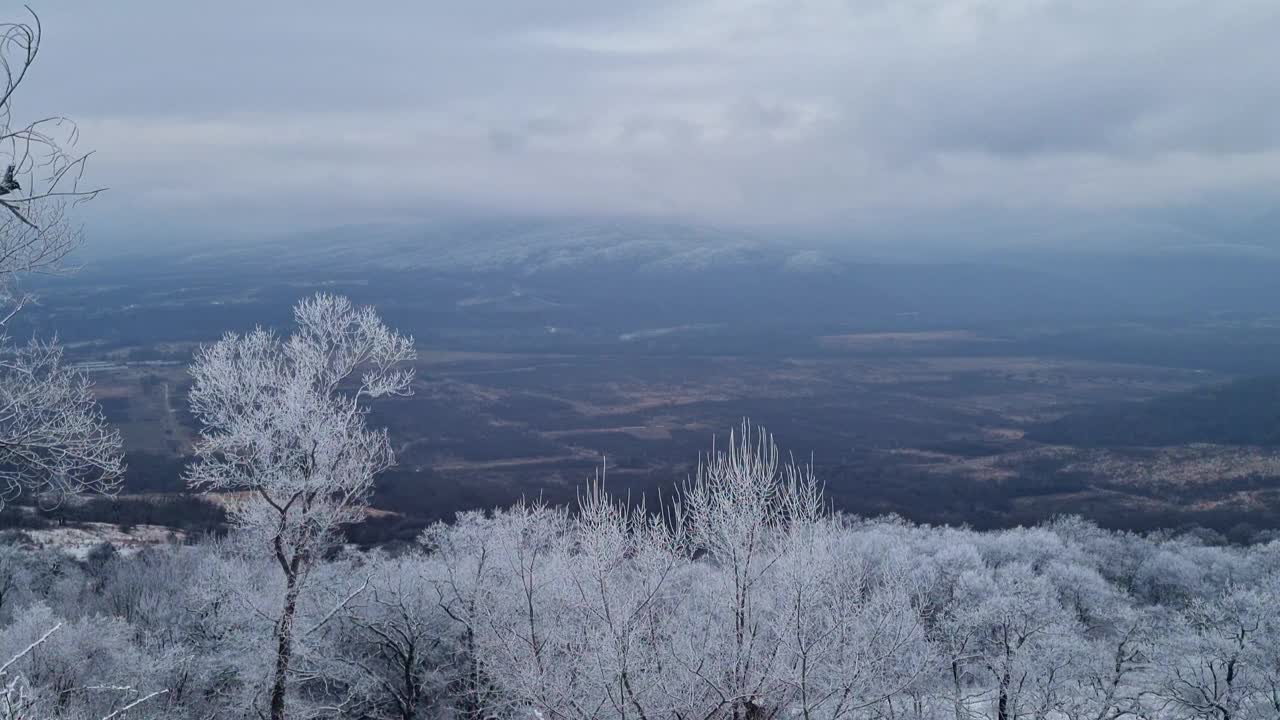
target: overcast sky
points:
(244, 113)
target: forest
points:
(746, 598)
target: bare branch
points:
(23, 653)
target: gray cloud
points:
(773, 111)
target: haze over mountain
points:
(924, 127)
(1107, 266)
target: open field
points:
(937, 438)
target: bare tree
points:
(282, 427)
(393, 646)
(53, 437)
(748, 600)
(735, 512)
(1217, 658)
(849, 631)
(578, 627)
(55, 661)
(466, 572)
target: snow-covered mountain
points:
(529, 248)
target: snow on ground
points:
(78, 540)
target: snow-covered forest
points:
(746, 599)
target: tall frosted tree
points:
(54, 440)
(284, 428)
(735, 512)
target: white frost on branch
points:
(284, 425)
(53, 438)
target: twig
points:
(4, 668)
(133, 704)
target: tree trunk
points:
(1002, 712)
(284, 646)
(959, 697)
(411, 689)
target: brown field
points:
(940, 439)
(872, 341)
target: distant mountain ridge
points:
(533, 245)
(528, 248)
(563, 284)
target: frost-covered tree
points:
(735, 513)
(1218, 658)
(625, 595)
(394, 646)
(521, 610)
(54, 440)
(15, 579)
(284, 429)
(851, 635)
(87, 668)
(607, 611)
(464, 579)
(747, 599)
(601, 601)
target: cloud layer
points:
(755, 111)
